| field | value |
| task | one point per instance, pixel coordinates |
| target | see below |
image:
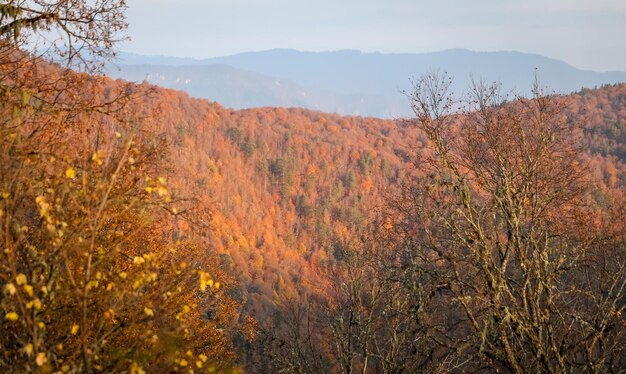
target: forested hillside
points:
(292, 191)
(279, 194)
(288, 187)
(285, 186)
(147, 231)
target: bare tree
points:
(493, 256)
(366, 319)
(78, 33)
(501, 227)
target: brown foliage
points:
(97, 272)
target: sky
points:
(588, 34)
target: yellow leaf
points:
(20, 279)
(93, 284)
(28, 349)
(41, 359)
(138, 260)
(74, 329)
(29, 289)
(10, 289)
(118, 135)
(162, 190)
(136, 369)
(5, 195)
(217, 285)
(149, 189)
(41, 325)
(11, 316)
(205, 280)
(70, 173)
(148, 312)
(97, 157)
(203, 357)
(44, 207)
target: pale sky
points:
(589, 34)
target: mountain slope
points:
(376, 73)
(289, 188)
(276, 195)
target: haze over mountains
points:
(348, 82)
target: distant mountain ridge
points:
(348, 81)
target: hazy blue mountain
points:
(352, 82)
(377, 73)
(125, 58)
(238, 88)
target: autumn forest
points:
(146, 231)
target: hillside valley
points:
(289, 187)
(272, 201)
(291, 190)
(298, 212)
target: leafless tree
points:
(78, 33)
(501, 227)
